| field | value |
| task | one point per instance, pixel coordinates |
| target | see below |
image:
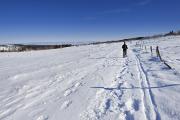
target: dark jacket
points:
(124, 47)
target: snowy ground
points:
(92, 82)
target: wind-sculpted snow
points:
(92, 82)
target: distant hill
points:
(171, 33)
(21, 47)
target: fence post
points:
(158, 53)
(145, 48)
(151, 49)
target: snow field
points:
(92, 82)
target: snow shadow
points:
(145, 52)
(126, 88)
(178, 59)
(129, 116)
(136, 50)
(98, 58)
(154, 59)
(136, 104)
(107, 58)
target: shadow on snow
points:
(126, 88)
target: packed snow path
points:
(88, 83)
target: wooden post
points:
(151, 49)
(158, 53)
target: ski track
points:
(150, 105)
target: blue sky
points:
(31, 21)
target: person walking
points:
(124, 47)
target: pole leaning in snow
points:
(159, 55)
